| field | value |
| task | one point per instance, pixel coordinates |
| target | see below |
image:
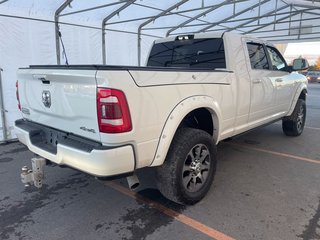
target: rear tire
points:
(293, 125)
(188, 171)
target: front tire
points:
(293, 125)
(188, 171)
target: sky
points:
(309, 50)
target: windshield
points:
(191, 53)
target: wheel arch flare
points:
(178, 115)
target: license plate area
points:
(47, 139)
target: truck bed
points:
(120, 67)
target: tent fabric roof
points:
(288, 20)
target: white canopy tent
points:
(121, 32)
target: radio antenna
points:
(63, 48)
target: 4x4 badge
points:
(46, 99)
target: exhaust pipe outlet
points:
(133, 182)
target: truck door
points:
(263, 94)
(284, 84)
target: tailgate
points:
(64, 99)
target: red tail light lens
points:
(17, 95)
(113, 111)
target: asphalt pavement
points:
(267, 186)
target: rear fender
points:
(175, 118)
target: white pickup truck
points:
(195, 91)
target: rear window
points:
(191, 53)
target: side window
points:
(258, 56)
(277, 61)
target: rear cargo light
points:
(17, 95)
(113, 111)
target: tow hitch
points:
(35, 175)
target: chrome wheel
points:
(196, 168)
(300, 119)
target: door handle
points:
(279, 80)
(257, 81)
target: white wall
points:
(26, 42)
(21, 43)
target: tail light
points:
(113, 111)
(17, 94)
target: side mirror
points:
(300, 64)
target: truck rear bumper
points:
(91, 158)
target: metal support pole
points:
(285, 29)
(266, 15)
(139, 47)
(257, 18)
(103, 46)
(104, 21)
(176, 13)
(290, 19)
(293, 35)
(273, 22)
(312, 13)
(305, 5)
(152, 19)
(56, 23)
(3, 115)
(232, 16)
(300, 23)
(3, 1)
(259, 11)
(198, 16)
(283, 20)
(275, 17)
(90, 9)
(314, 39)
